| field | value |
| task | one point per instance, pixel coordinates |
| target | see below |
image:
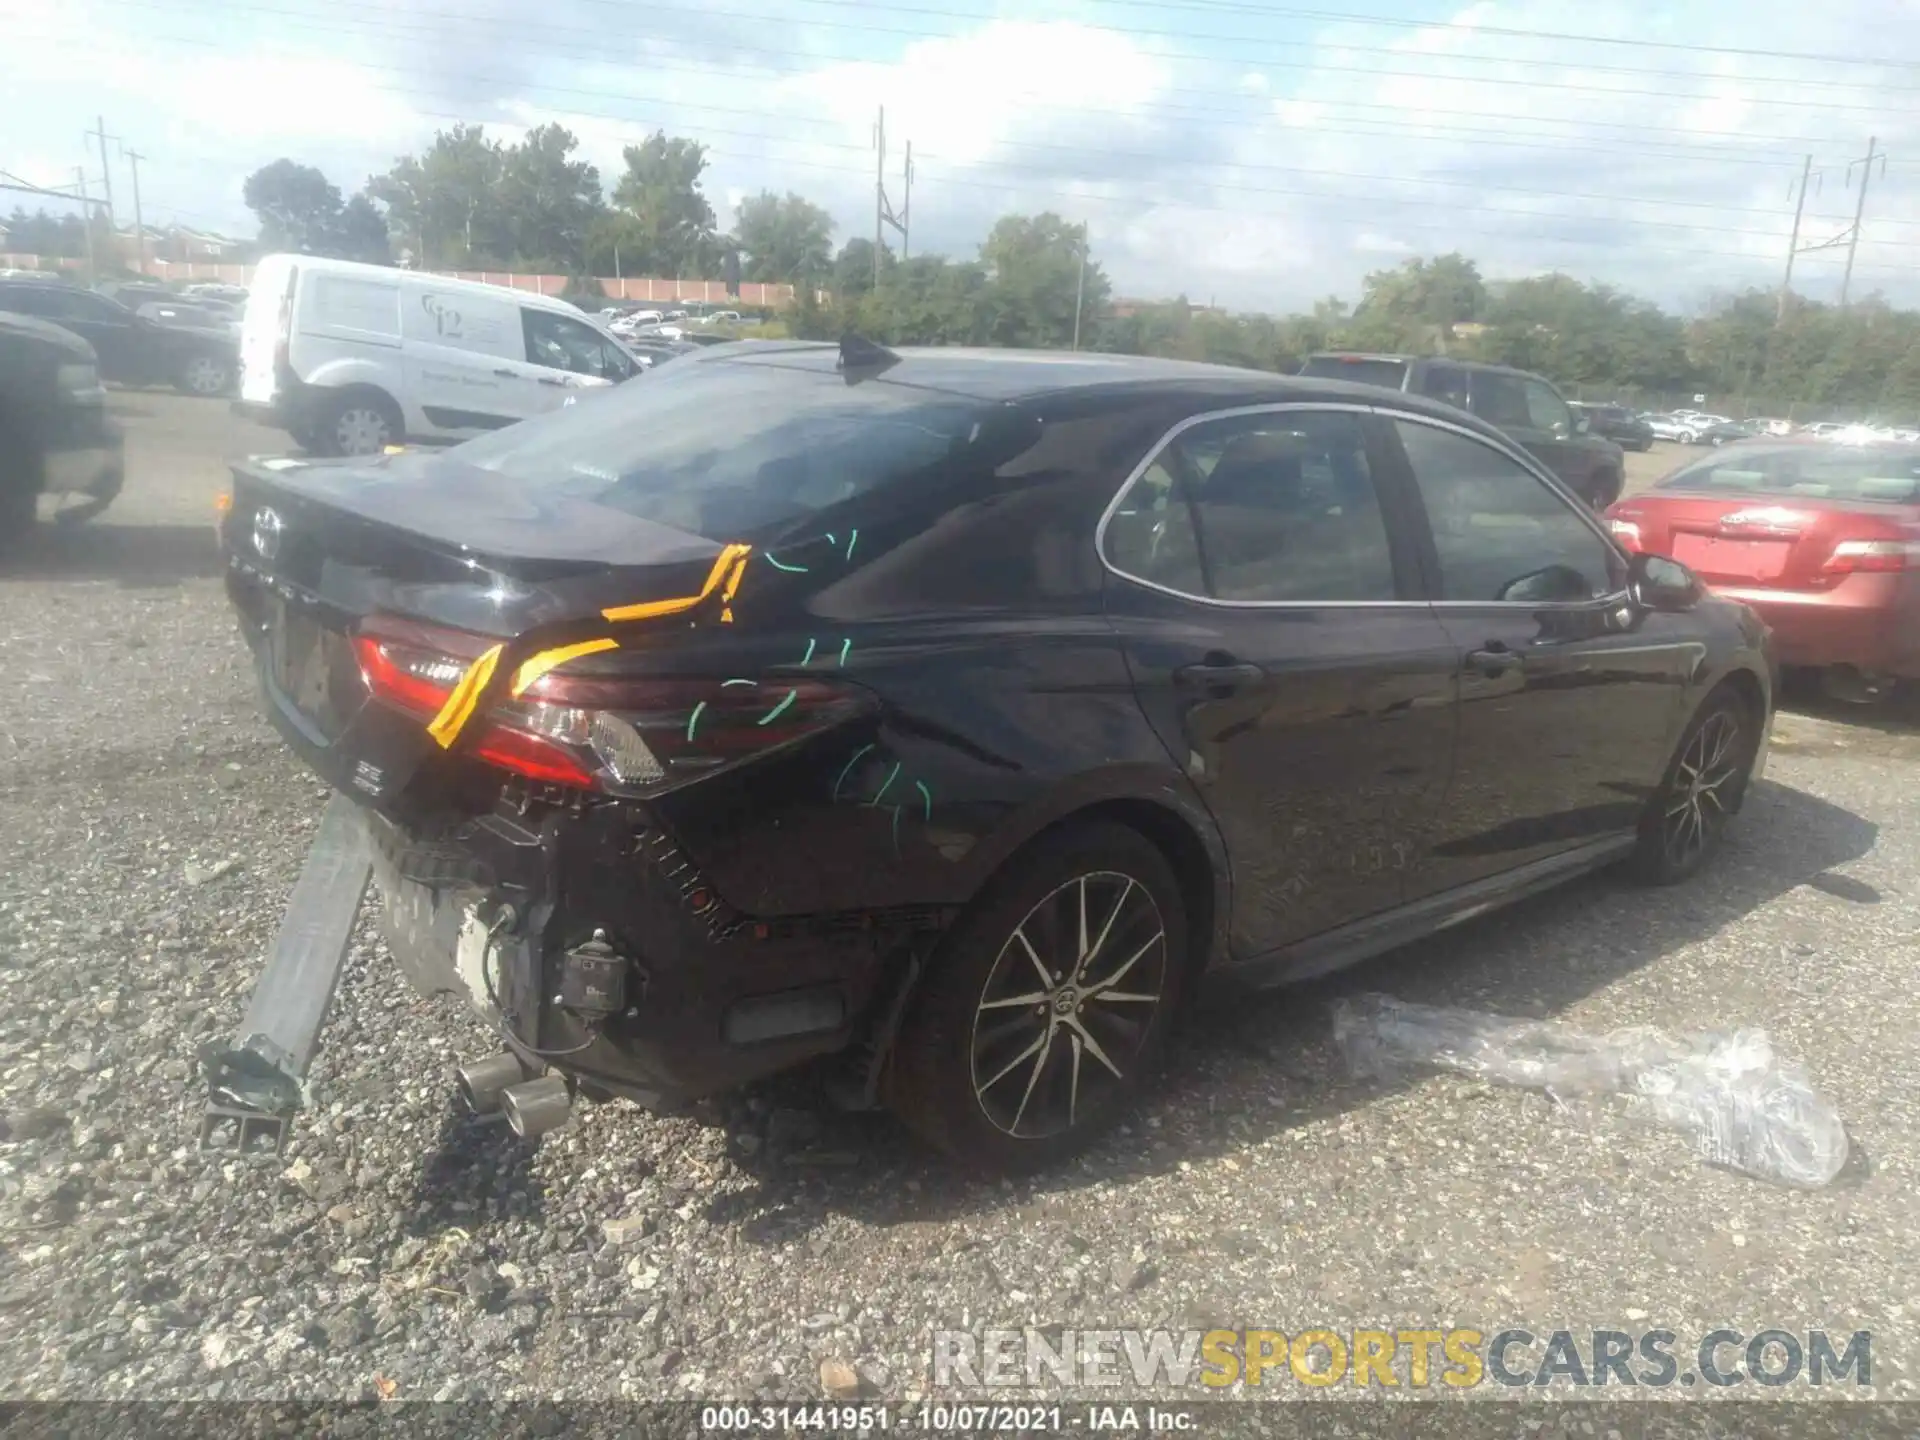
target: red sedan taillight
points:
(623, 735)
(1870, 557)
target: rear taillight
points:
(1626, 532)
(602, 733)
(1870, 557)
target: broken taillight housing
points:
(616, 734)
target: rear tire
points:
(1685, 822)
(20, 471)
(357, 422)
(1012, 1058)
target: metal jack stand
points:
(257, 1084)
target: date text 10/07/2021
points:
(949, 1419)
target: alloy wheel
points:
(1697, 801)
(361, 430)
(1068, 1005)
(205, 375)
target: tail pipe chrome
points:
(536, 1106)
(482, 1082)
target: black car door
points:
(1569, 694)
(113, 330)
(1265, 587)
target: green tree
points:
(1035, 264)
(665, 225)
(444, 201)
(298, 208)
(360, 233)
(548, 200)
(1416, 305)
(853, 267)
(783, 239)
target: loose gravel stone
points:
(400, 1243)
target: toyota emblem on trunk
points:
(266, 533)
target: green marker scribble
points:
(852, 540)
(790, 569)
(807, 659)
(885, 785)
(725, 683)
(694, 719)
(926, 797)
(774, 713)
(845, 646)
(830, 539)
(849, 769)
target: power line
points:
(866, 27)
(1644, 139)
(1612, 199)
(1859, 213)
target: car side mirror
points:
(1659, 583)
(1582, 425)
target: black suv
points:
(54, 432)
(132, 350)
(1525, 406)
(1617, 423)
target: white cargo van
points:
(349, 358)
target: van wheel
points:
(19, 492)
(360, 422)
(1047, 1010)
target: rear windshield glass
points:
(727, 450)
(1391, 374)
(1819, 472)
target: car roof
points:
(1024, 375)
(1453, 360)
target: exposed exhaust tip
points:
(536, 1106)
(481, 1082)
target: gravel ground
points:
(150, 827)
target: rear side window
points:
(1361, 369)
(1889, 474)
(1447, 384)
(1274, 507)
(730, 450)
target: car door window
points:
(1279, 507)
(1546, 410)
(1447, 384)
(1500, 532)
(1500, 400)
(563, 344)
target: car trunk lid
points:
(1768, 541)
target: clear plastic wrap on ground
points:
(1726, 1091)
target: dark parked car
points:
(1523, 405)
(55, 436)
(1731, 432)
(959, 712)
(133, 350)
(1626, 428)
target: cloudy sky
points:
(1261, 153)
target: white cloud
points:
(1266, 172)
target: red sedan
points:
(1821, 538)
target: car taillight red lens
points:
(1627, 533)
(615, 734)
(1870, 557)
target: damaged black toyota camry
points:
(955, 714)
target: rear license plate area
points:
(302, 658)
(1720, 558)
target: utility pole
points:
(1859, 211)
(134, 157)
(879, 189)
(86, 219)
(1080, 285)
(883, 215)
(1793, 244)
(906, 206)
(106, 171)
